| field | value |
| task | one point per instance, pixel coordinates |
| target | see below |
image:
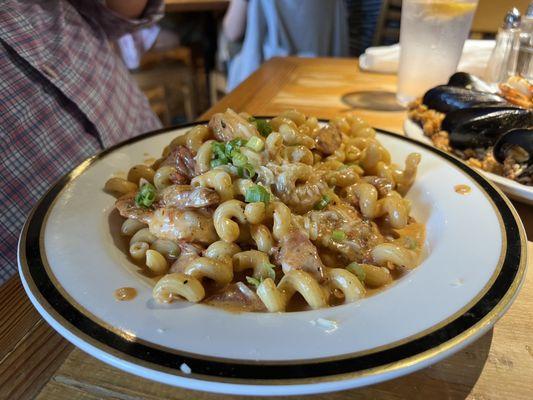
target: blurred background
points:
(203, 48)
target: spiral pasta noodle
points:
(276, 298)
(218, 180)
(262, 212)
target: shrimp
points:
(361, 235)
(186, 196)
(230, 125)
(188, 225)
(180, 197)
(239, 297)
(299, 186)
(518, 91)
(183, 160)
(128, 209)
(189, 252)
(298, 253)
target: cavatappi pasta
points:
(271, 215)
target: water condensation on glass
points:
(432, 35)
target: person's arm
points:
(234, 23)
(130, 9)
(118, 17)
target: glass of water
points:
(432, 36)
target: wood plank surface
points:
(30, 351)
(498, 366)
(313, 85)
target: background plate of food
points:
(488, 128)
(272, 256)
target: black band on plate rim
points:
(272, 372)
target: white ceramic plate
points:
(70, 267)
(513, 189)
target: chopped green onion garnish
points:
(411, 243)
(232, 145)
(256, 194)
(216, 162)
(253, 281)
(238, 159)
(247, 171)
(255, 144)
(322, 203)
(262, 125)
(219, 149)
(357, 270)
(338, 236)
(219, 152)
(146, 195)
(270, 270)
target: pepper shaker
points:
(524, 64)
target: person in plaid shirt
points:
(64, 95)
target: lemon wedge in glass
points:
(449, 9)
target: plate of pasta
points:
(272, 255)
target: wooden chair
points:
(157, 98)
(217, 86)
(168, 79)
(388, 26)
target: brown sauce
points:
(297, 303)
(125, 293)
(462, 189)
(120, 174)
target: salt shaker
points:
(502, 62)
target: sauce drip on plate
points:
(125, 293)
(462, 189)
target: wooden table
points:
(195, 5)
(35, 362)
